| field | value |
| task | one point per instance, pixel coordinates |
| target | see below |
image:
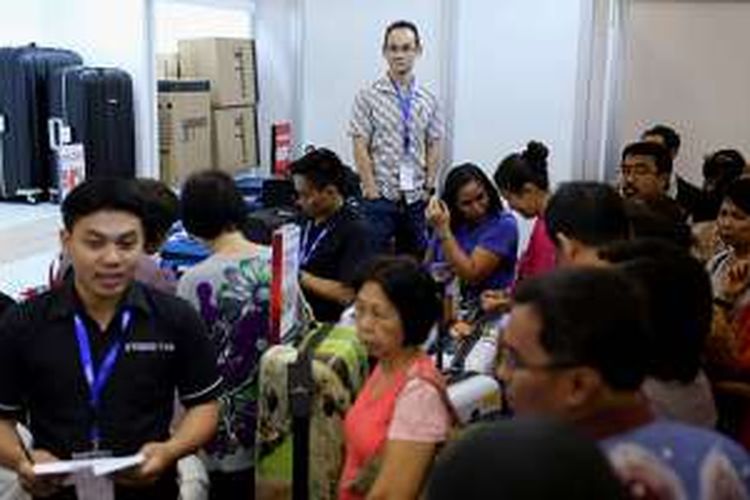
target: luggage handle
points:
(59, 133)
(301, 388)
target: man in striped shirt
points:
(397, 129)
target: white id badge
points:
(91, 487)
(406, 177)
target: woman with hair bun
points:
(524, 183)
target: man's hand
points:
(461, 329)
(736, 280)
(159, 458)
(39, 486)
(370, 191)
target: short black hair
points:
(738, 193)
(322, 168)
(527, 167)
(724, 166)
(678, 296)
(660, 218)
(412, 291)
(99, 194)
(460, 176)
(590, 212)
(525, 458)
(211, 204)
(401, 24)
(592, 317)
(670, 137)
(659, 153)
(162, 209)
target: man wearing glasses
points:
(397, 129)
(645, 171)
(574, 349)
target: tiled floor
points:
(28, 243)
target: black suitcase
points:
(24, 144)
(97, 105)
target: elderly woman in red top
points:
(402, 413)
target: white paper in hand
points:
(110, 465)
(97, 466)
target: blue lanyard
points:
(96, 380)
(305, 252)
(405, 102)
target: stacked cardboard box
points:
(185, 126)
(167, 66)
(229, 64)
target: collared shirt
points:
(166, 349)
(341, 252)
(376, 116)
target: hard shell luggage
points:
(24, 143)
(305, 394)
(97, 106)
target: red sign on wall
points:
(281, 148)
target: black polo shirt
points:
(343, 248)
(166, 349)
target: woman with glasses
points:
(402, 413)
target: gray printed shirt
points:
(376, 116)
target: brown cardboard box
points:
(235, 138)
(167, 66)
(229, 63)
(184, 128)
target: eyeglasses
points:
(636, 171)
(395, 49)
(509, 359)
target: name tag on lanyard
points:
(307, 248)
(406, 170)
(96, 379)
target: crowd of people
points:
(624, 360)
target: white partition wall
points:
(20, 21)
(686, 63)
(278, 30)
(516, 77)
(507, 71)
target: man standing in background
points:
(397, 129)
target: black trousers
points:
(238, 485)
(164, 489)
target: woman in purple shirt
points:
(473, 234)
